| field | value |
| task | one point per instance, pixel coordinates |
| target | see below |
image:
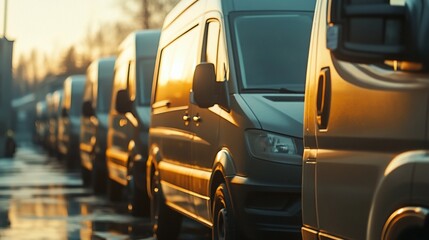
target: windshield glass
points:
(272, 50)
(145, 68)
(77, 98)
(104, 95)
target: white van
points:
(225, 140)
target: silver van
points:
(69, 120)
(225, 140)
(127, 136)
(366, 142)
(97, 97)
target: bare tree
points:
(105, 40)
(73, 62)
(147, 14)
(20, 76)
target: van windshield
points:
(104, 96)
(145, 68)
(77, 98)
(271, 49)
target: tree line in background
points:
(35, 67)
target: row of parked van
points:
(109, 144)
(266, 119)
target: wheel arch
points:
(393, 192)
(154, 156)
(223, 168)
(405, 219)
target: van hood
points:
(278, 113)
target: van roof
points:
(105, 68)
(240, 5)
(144, 43)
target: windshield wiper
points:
(273, 90)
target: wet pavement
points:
(41, 199)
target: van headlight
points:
(274, 147)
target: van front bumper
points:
(265, 211)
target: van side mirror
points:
(204, 85)
(123, 102)
(366, 32)
(206, 90)
(87, 109)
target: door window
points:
(176, 69)
(132, 80)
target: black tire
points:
(99, 176)
(137, 199)
(224, 223)
(86, 177)
(416, 233)
(166, 222)
(114, 190)
(10, 147)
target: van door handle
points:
(196, 118)
(186, 117)
(323, 98)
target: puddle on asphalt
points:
(56, 213)
(42, 200)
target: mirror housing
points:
(206, 90)
(87, 109)
(365, 32)
(123, 103)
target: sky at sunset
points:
(52, 25)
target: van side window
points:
(176, 69)
(121, 75)
(132, 80)
(88, 94)
(214, 49)
(211, 42)
(119, 80)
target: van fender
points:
(223, 168)
(223, 162)
(392, 193)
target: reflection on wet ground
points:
(40, 199)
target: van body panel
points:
(190, 144)
(374, 115)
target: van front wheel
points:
(138, 201)
(86, 176)
(114, 190)
(223, 218)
